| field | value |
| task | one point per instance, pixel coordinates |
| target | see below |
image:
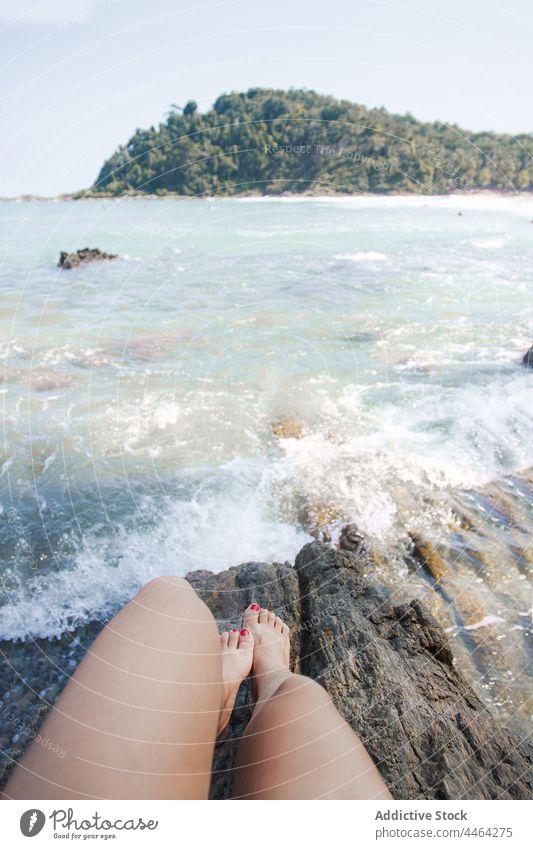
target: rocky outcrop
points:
(388, 669)
(81, 257)
(387, 666)
(527, 359)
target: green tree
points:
(190, 108)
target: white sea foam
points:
(472, 201)
(362, 256)
(233, 518)
(378, 462)
(484, 623)
(489, 243)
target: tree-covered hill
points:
(271, 142)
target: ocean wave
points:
(381, 464)
(489, 243)
(232, 517)
(470, 201)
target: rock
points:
(389, 670)
(428, 557)
(351, 539)
(493, 664)
(288, 429)
(387, 666)
(9, 374)
(317, 517)
(40, 379)
(527, 359)
(81, 257)
(43, 380)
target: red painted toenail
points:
(254, 607)
(244, 632)
(233, 630)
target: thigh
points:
(138, 718)
(299, 747)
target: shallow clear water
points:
(140, 395)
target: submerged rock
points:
(288, 429)
(428, 557)
(81, 257)
(44, 380)
(317, 517)
(9, 374)
(387, 666)
(527, 359)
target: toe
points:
(224, 638)
(251, 616)
(233, 638)
(246, 639)
(278, 624)
(263, 616)
(271, 617)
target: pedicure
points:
(233, 630)
(254, 607)
(244, 632)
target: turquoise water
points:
(140, 395)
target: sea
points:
(251, 373)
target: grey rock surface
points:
(389, 671)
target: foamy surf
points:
(233, 516)
(378, 464)
(361, 256)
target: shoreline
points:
(255, 196)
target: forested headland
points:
(277, 142)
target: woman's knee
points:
(307, 691)
(173, 596)
(166, 583)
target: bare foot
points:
(271, 650)
(237, 653)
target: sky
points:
(79, 76)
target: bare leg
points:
(297, 745)
(139, 717)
